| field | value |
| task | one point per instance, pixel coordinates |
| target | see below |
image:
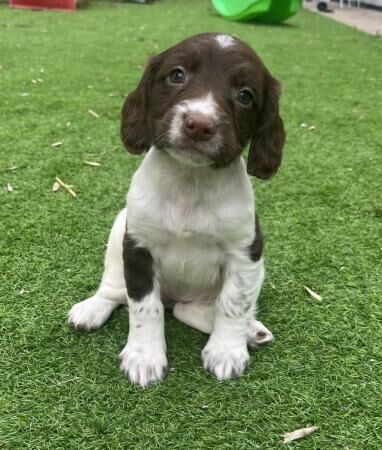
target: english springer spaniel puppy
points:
(189, 234)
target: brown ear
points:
(265, 151)
(136, 133)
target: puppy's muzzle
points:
(199, 127)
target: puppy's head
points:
(202, 101)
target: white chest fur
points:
(189, 218)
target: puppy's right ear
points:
(265, 151)
(136, 133)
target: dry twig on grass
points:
(92, 163)
(67, 187)
(93, 113)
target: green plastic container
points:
(272, 11)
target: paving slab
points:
(363, 19)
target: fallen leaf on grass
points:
(9, 188)
(57, 144)
(67, 187)
(92, 163)
(313, 294)
(93, 113)
(298, 434)
(12, 168)
(56, 186)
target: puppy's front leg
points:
(143, 359)
(226, 353)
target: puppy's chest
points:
(189, 231)
(187, 242)
(189, 265)
(188, 249)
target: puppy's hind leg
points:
(197, 314)
(201, 316)
(93, 312)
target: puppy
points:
(189, 234)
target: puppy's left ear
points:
(265, 151)
(136, 132)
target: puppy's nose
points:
(199, 127)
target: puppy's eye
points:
(245, 97)
(177, 76)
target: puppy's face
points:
(202, 101)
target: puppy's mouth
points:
(185, 145)
(190, 154)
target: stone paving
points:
(366, 20)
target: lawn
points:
(62, 389)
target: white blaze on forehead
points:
(225, 40)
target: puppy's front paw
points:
(92, 313)
(224, 360)
(142, 364)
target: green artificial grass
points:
(62, 389)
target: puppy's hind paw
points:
(92, 313)
(258, 334)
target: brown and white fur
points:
(189, 233)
